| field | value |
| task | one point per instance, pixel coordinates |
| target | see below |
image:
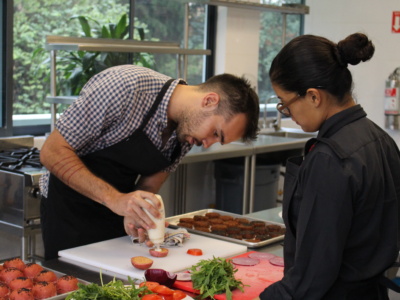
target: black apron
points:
(372, 289)
(70, 219)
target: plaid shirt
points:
(111, 107)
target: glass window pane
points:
(165, 21)
(271, 41)
(33, 21)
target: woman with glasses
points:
(340, 203)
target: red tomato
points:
(8, 274)
(178, 295)
(152, 297)
(195, 251)
(21, 294)
(20, 282)
(46, 275)
(151, 285)
(163, 290)
(14, 263)
(32, 270)
(4, 290)
(43, 290)
(66, 283)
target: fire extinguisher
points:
(392, 100)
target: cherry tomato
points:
(195, 251)
(163, 290)
(152, 297)
(151, 285)
(178, 295)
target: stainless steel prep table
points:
(263, 145)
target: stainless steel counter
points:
(279, 144)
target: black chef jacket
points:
(340, 209)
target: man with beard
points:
(116, 145)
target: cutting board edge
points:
(71, 256)
(98, 269)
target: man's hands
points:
(135, 230)
(131, 207)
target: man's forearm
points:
(60, 159)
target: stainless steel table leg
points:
(252, 182)
(25, 246)
(245, 184)
(180, 190)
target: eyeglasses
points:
(284, 108)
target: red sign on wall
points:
(396, 22)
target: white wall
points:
(237, 42)
(336, 19)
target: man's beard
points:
(189, 121)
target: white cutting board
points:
(114, 256)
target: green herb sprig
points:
(115, 289)
(215, 276)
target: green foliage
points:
(157, 20)
(77, 67)
(80, 66)
(33, 21)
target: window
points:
(272, 38)
(24, 93)
(155, 20)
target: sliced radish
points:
(277, 261)
(245, 261)
(261, 255)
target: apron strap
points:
(160, 96)
(177, 150)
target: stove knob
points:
(35, 192)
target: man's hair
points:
(236, 96)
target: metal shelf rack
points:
(55, 43)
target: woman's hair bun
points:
(355, 48)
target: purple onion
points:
(161, 276)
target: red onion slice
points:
(161, 276)
(183, 276)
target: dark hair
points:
(237, 96)
(310, 61)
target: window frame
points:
(6, 27)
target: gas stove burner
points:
(15, 159)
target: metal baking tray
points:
(59, 274)
(173, 221)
